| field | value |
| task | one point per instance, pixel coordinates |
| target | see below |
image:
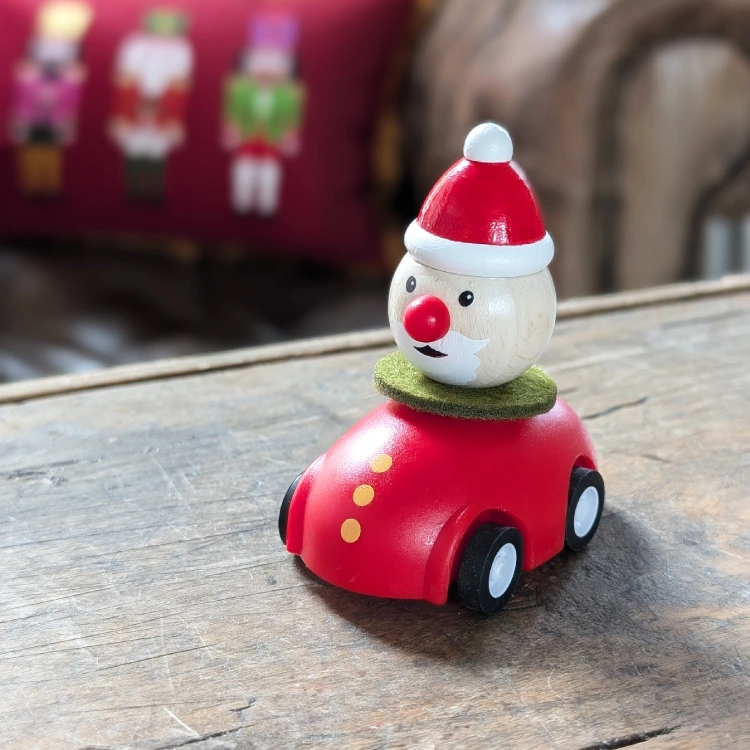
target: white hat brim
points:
(470, 259)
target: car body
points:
(389, 510)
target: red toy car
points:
(407, 502)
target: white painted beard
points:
(458, 367)
(155, 62)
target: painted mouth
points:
(428, 351)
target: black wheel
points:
(284, 510)
(490, 567)
(585, 505)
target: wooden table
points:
(146, 600)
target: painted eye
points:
(411, 284)
(465, 299)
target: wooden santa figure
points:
(474, 469)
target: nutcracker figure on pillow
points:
(263, 104)
(48, 85)
(152, 80)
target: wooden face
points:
(470, 331)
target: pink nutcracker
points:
(47, 95)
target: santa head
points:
(158, 57)
(473, 303)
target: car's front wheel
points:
(585, 505)
(284, 510)
(490, 568)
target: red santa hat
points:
(481, 218)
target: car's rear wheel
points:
(585, 506)
(490, 568)
(284, 510)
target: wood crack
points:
(632, 739)
(616, 408)
(150, 658)
(250, 703)
(202, 738)
(179, 743)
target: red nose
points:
(427, 319)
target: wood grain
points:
(146, 601)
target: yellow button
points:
(381, 463)
(350, 530)
(363, 495)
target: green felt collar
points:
(529, 394)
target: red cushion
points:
(345, 51)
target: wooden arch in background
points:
(555, 73)
(651, 31)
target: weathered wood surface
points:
(146, 601)
(631, 118)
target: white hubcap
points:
(502, 570)
(586, 511)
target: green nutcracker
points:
(263, 109)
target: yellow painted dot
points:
(350, 530)
(381, 463)
(363, 495)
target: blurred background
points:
(184, 177)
